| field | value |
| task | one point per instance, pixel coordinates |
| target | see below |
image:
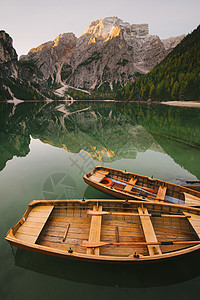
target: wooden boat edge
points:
(10, 237)
(102, 259)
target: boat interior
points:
(145, 187)
(109, 228)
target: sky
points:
(31, 23)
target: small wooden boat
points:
(192, 184)
(126, 185)
(114, 231)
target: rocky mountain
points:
(8, 56)
(109, 51)
(177, 77)
(172, 42)
(50, 56)
(21, 80)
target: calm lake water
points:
(45, 150)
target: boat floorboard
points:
(129, 230)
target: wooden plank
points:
(95, 231)
(25, 237)
(29, 230)
(39, 214)
(161, 193)
(123, 251)
(41, 208)
(97, 178)
(59, 235)
(131, 234)
(130, 185)
(31, 224)
(191, 200)
(102, 172)
(76, 248)
(36, 220)
(24, 232)
(194, 221)
(149, 232)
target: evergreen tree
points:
(177, 77)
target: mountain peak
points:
(110, 52)
(107, 26)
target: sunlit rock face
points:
(8, 56)
(109, 51)
(51, 55)
(114, 51)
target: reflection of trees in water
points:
(107, 131)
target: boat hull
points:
(107, 231)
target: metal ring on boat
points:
(109, 181)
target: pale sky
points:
(31, 23)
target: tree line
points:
(177, 77)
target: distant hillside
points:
(177, 77)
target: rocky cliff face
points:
(51, 56)
(172, 42)
(21, 80)
(110, 50)
(113, 51)
(8, 56)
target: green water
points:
(44, 151)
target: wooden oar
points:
(149, 197)
(142, 187)
(135, 193)
(101, 213)
(167, 243)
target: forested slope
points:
(177, 77)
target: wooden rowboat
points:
(126, 185)
(113, 231)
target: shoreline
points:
(182, 103)
(170, 103)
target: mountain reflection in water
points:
(107, 131)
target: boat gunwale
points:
(101, 258)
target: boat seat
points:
(191, 200)
(30, 230)
(95, 231)
(161, 193)
(149, 233)
(98, 176)
(130, 185)
(194, 221)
